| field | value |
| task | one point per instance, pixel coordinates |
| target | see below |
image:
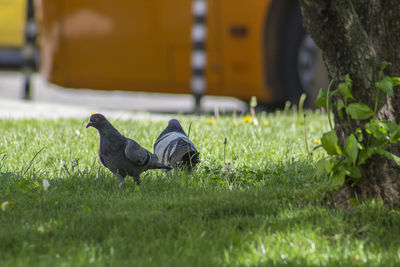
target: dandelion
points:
(234, 124)
(46, 184)
(93, 112)
(267, 123)
(211, 121)
(247, 119)
(317, 141)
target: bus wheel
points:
(297, 63)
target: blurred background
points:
(142, 55)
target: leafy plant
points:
(344, 161)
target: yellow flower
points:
(234, 124)
(267, 123)
(247, 119)
(211, 121)
(317, 141)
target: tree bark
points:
(355, 36)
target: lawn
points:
(261, 205)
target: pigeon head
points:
(97, 121)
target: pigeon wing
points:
(102, 160)
(166, 144)
(136, 154)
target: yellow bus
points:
(254, 47)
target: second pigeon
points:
(173, 147)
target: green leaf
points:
(345, 87)
(320, 168)
(384, 64)
(384, 129)
(335, 93)
(337, 178)
(396, 159)
(373, 127)
(359, 111)
(395, 136)
(385, 85)
(392, 131)
(396, 81)
(359, 134)
(324, 166)
(364, 155)
(345, 90)
(349, 81)
(350, 148)
(378, 143)
(354, 172)
(329, 142)
(390, 156)
(321, 99)
(340, 106)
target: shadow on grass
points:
(244, 216)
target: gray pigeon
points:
(121, 155)
(173, 147)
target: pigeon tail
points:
(173, 126)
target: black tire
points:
(291, 35)
(297, 61)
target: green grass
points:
(269, 209)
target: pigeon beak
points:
(89, 124)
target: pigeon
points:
(173, 147)
(121, 155)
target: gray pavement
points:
(51, 101)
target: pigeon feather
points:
(174, 148)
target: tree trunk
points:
(355, 36)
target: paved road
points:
(51, 101)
